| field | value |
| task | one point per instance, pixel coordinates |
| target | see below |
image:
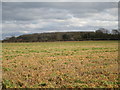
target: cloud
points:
(60, 1)
(31, 17)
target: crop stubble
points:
(82, 64)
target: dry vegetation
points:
(82, 64)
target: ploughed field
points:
(74, 64)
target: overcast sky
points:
(36, 17)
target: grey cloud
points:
(60, 1)
(31, 11)
(33, 17)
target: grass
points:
(75, 64)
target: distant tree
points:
(115, 31)
(66, 37)
(102, 30)
(12, 39)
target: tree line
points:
(63, 36)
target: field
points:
(75, 64)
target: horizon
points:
(73, 31)
(48, 32)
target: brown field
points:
(82, 64)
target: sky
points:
(60, 0)
(37, 17)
